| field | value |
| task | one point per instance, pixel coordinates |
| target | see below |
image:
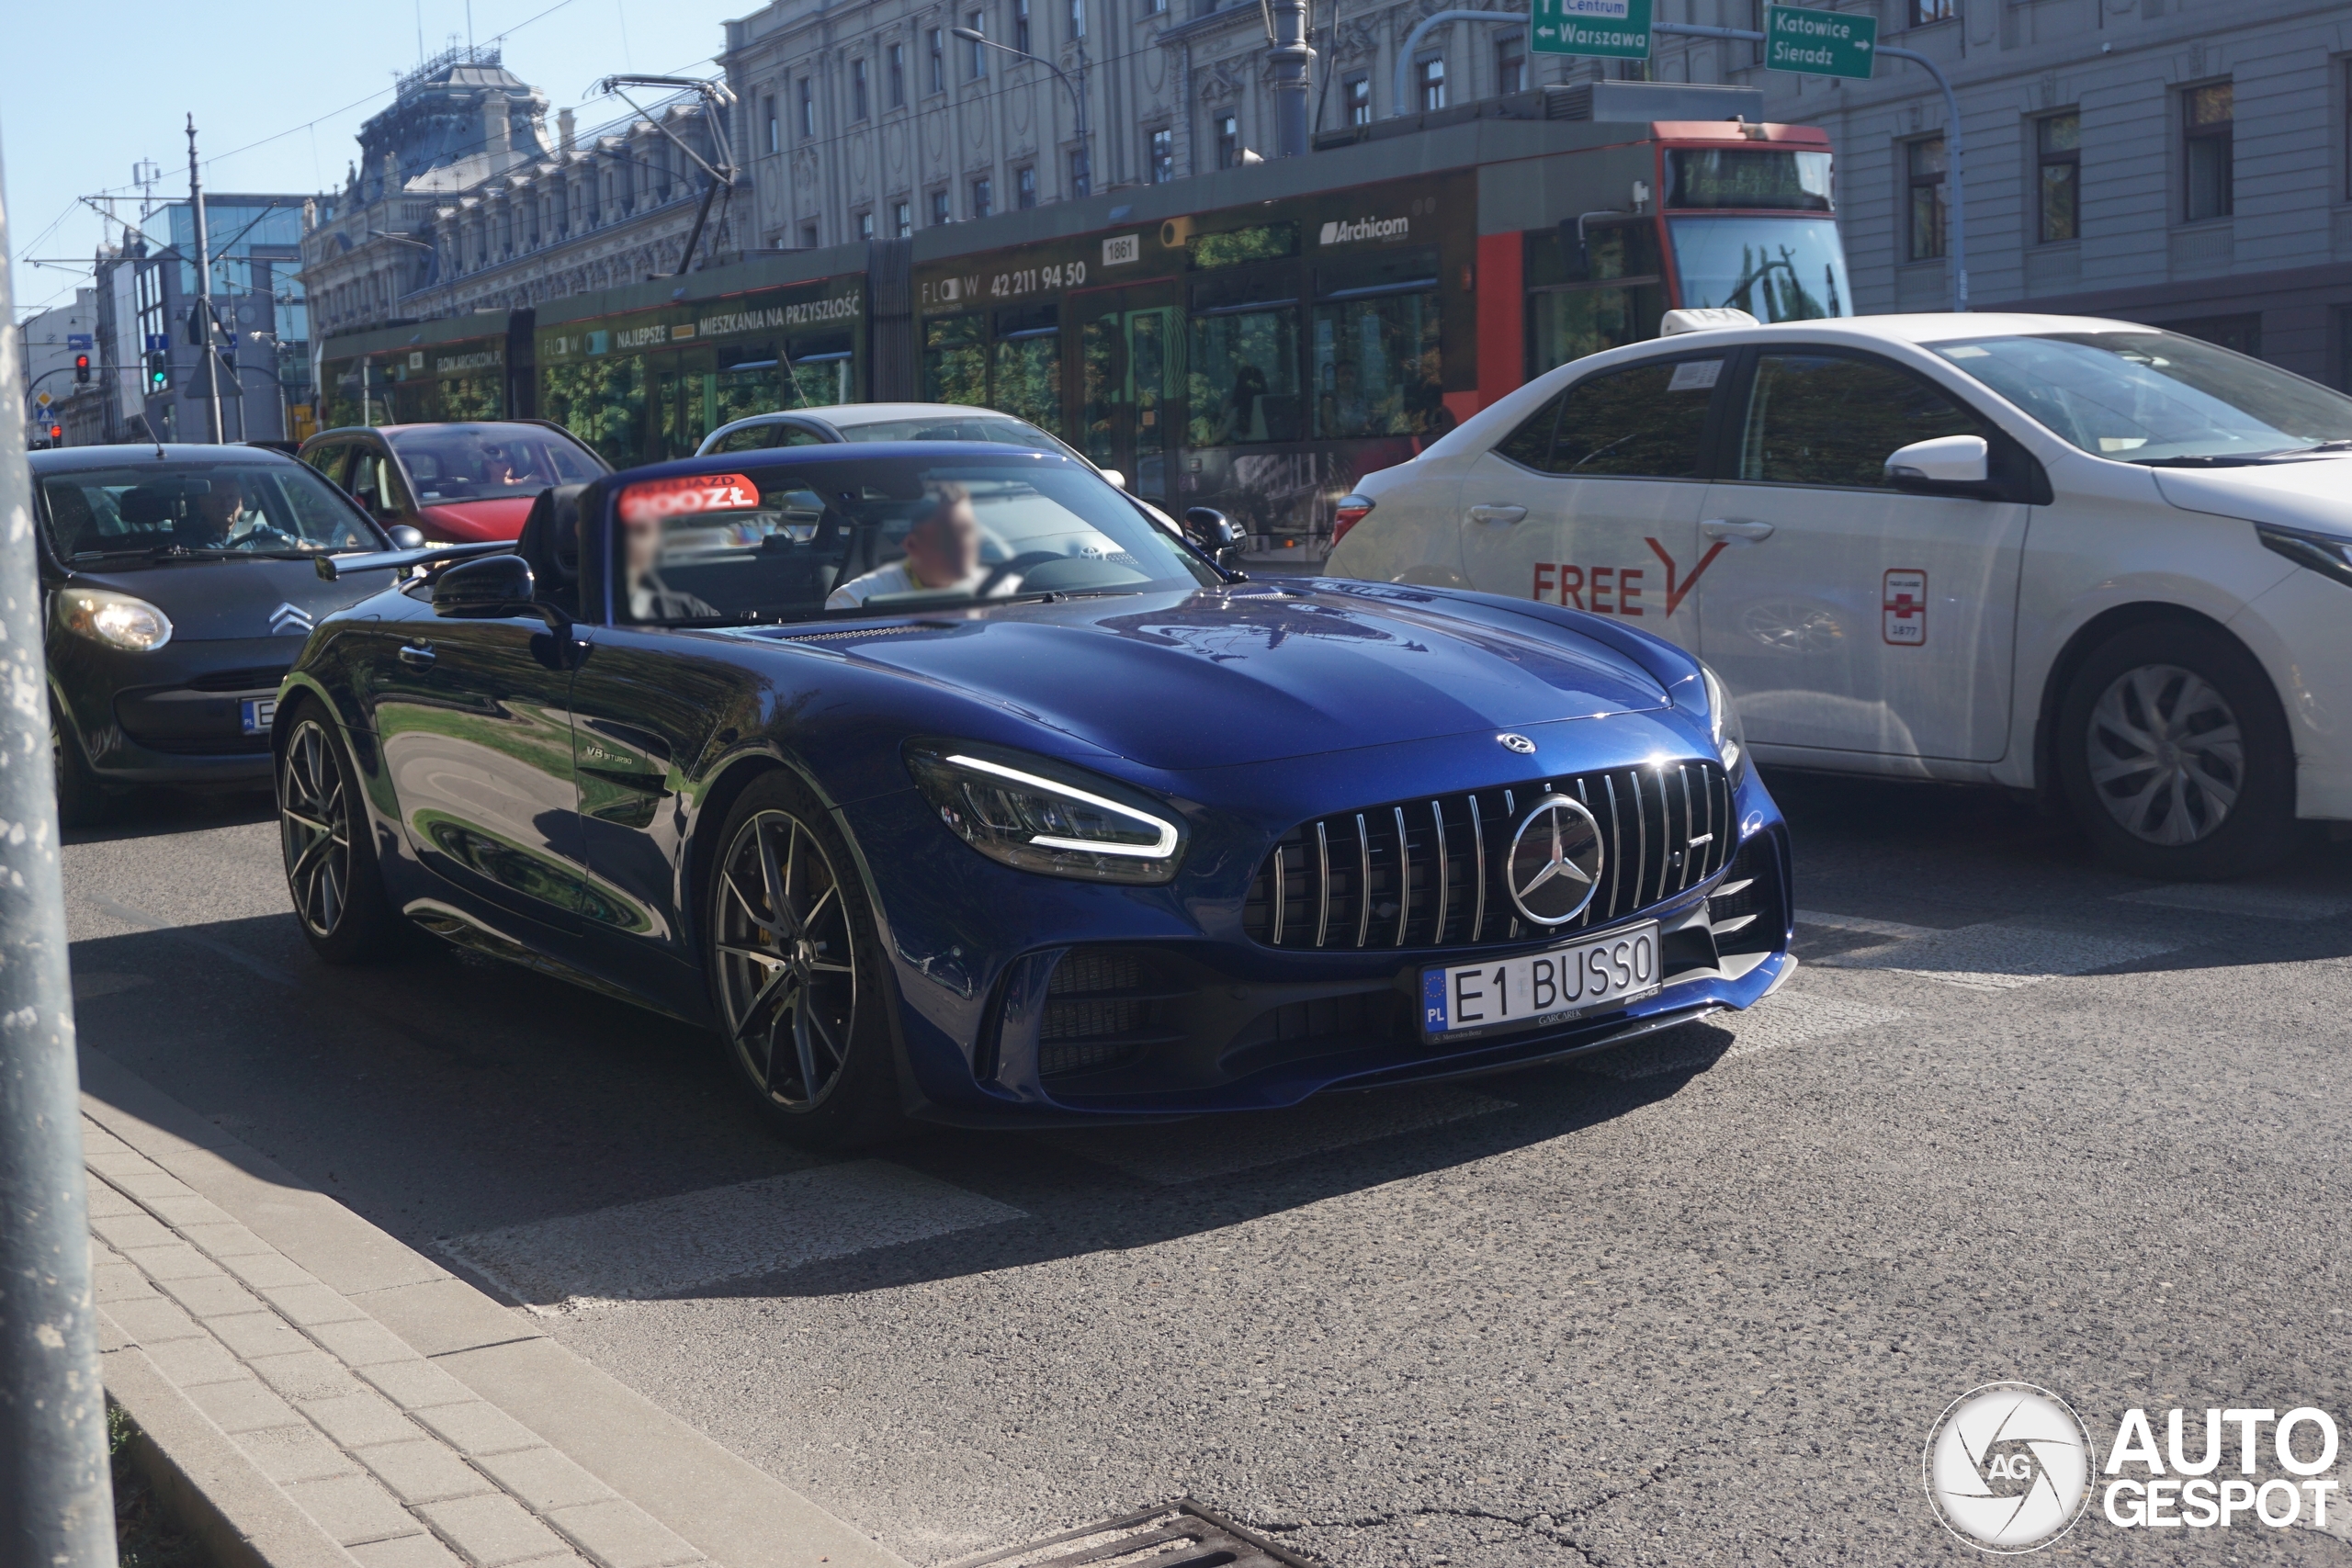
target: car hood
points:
(474, 521)
(211, 598)
(2308, 493)
(1256, 674)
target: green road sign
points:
(1619, 30)
(1819, 43)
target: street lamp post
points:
(1085, 174)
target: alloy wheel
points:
(787, 966)
(2167, 758)
(314, 828)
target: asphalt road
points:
(1696, 1302)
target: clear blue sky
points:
(87, 88)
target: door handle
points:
(1736, 529)
(1497, 513)
(417, 655)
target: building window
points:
(865, 225)
(1430, 74)
(1924, 165)
(1161, 160)
(808, 110)
(939, 213)
(775, 134)
(1077, 18)
(977, 66)
(1155, 7)
(2207, 154)
(1082, 183)
(857, 105)
(1510, 63)
(1024, 186)
(1021, 26)
(902, 219)
(1355, 97)
(897, 68)
(983, 197)
(1228, 140)
(2058, 140)
(938, 61)
(808, 236)
(1926, 12)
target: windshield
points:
(996, 430)
(490, 462)
(1776, 269)
(2150, 397)
(790, 541)
(163, 508)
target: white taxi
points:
(2047, 552)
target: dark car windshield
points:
(490, 462)
(162, 509)
(777, 541)
(2150, 397)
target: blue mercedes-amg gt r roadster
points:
(943, 780)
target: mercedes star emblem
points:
(289, 619)
(1554, 864)
(1518, 743)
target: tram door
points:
(1131, 365)
(685, 402)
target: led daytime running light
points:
(1165, 846)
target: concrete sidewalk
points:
(312, 1392)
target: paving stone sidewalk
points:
(397, 1463)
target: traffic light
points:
(57, 435)
(159, 373)
(81, 369)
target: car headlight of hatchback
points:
(117, 620)
(2321, 553)
(1034, 813)
(1722, 725)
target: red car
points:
(456, 483)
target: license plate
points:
(1539, 988)
(259, 713)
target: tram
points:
(1253, 339)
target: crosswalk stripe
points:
(1858, 923)
(2241, 899)
(1172, 1153)
(1999, 957)
(637, 1251)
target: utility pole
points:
(56, 1500)
(1293, 59)
(204, 285)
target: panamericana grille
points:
(1430, 873)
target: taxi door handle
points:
(1736, 529)
(1497, 513)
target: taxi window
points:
(1531, 444)
(760, 437)
(1825, 419)
(1644, 420)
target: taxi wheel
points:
(796, 969)
(81, 801)
(323, 831)
(2175, 756)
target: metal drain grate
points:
(1180, 1534)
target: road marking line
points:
(634, 1251)
(1784, 1019)
(1997, 957)
(2239, 898)
(130, 914)
(1172, 1153)
(1895, 929)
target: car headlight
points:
(2320, 553)
(116, 619)
(1722, 725)
(1038, 815)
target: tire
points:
(801, 1001)
(323, 831)
(2175, 757)
(81, 801)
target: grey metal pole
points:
(56, 1499)
(1952, 172)
(1292, 58)
(204, 284)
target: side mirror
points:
(1947, 462)
(486, 588)
(1114, 478)
(1216, 533)
(404, 537)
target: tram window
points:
(1244, 381)
(1027, 365)
(1376, 367)
(749, 382)
(602, 400)
(955, 361)
(1266, 242)
(1643, 421)
(1570, 323)
(821, 369)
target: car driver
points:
(943, 555)
(220, 522)
(650, 599)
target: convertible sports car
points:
(939, 780)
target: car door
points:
(1844, 614)
(473, 721)
(1593, 502)
(375, 481)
